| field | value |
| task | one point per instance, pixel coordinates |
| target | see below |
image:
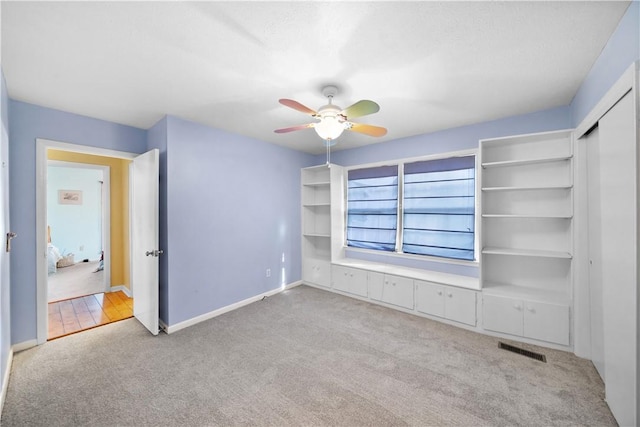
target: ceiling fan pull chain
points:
(328, 152)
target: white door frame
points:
(105, 211)
(42, 146)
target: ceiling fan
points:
(332, 120)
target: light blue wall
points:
(233, 211)
(28, 122)
(76, 226)
(5, 283)
(456, 139)
(622, 49)
(157, 138)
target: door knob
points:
(155, 252)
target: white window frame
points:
(398, 253)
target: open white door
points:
(144, 239)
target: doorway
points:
(79, 249)
(78, 229)
(141, 204)
(82, 313)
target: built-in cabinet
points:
(526, 245)
(446, 301)
(527, 238)
(350, 280)
(527, 318)
(391, 289)
(422, 297)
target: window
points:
(439, 208)
(372, 208)
(437, 213)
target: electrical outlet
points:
(268, 272)
(81, 248)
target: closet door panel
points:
(619, 208)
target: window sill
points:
(424, 258)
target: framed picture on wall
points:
(70, 197)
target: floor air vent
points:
(531, 354)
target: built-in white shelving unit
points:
(320, 184)
(527, 240)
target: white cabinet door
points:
(430, 298)
(502, 314)
(376, 285)
(398, 291)
(351, 280)
(460, 305)
(446, 301)
(317, 272)
(546, 322)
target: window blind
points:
(372, 208)
(439, 208)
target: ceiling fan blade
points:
(297, 106)
(292, 128)
(368, 129)
(361, 108)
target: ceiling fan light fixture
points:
(329, 127)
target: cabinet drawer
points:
(502, 314)
(351, 280)
(398, 291)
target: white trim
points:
(24, 345)
(5, 381)
(96, 151)
(42, 145)
(444, 155)
(623, 85)
(122, 288)
(215, 313)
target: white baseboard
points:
(195, 320)
(122, 288)
(5, 380)
(25, 345)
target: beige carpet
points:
(75, 281)
(305, 357)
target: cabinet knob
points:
(531, 309)
(449, 294)
(440, 293)
(517, 307)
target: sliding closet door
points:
(619, 208)
(592, 143)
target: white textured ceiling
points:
(430, 65)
